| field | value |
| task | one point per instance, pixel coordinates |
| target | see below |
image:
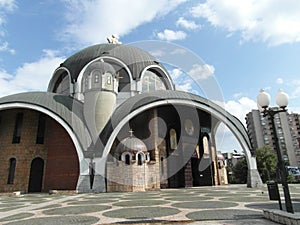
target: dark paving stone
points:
(148, 202)
(273, 205)
(10, 208)
(58, 220)
(76, 210)
(188, 198)
(245, 199)
(92, 201)
(141, 212)
(51, 206)
(224, 214)
(204, 205)
(17, 217)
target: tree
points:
(240, 171)
(266, 163)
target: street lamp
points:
(263, 101)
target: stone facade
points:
(133, 177)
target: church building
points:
(111, 120)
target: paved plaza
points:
(232, 204)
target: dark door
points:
(36, 175)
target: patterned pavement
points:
(232, 204)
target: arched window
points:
(147, 157)
(140, 162)
(62, 85)
(140, 157)
(108, 81)
(127, 159)
(206, 152)
(173, 139)
(152, 82)
(11, 172)
(96, 76)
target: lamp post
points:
(263, 100)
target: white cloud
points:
(225, 140)
(8, 4)
(240, 107)
(91, 21)
(273, 21)
(170, 35)
(181, 80)
(5, 48)
(201, 72)
(187, 24)
(32, 76)
(279, 81)
(5, 6)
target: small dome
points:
(221, 157)
(131, 144)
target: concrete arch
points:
(217, 112)
(164, 75)
(79, 88)
(55, 77)
(69, 130)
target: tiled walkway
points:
(233, 204)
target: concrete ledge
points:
(15, 193)
(282, 217)
(62, 192)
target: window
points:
(18, 128)
(152, 82)
(62, 85)
(127, 159)
(140, 162)
(206, 150)
(41, 129)
(173, 139)
(11, 172)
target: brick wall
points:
(24, 152)
(62, 169)
(58, 152)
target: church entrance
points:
(36, 175)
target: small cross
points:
(119, 77)
(131, 133)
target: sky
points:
(247, 45)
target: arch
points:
(58, 73)
(140, 158)
(126, 157)
(79, 88)
(147, 157)
(35, 183)
(166, 79)
(58, 119)
(217, 112)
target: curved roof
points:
(135, 58)
(138, 101)
(65, 107)
(131, 144)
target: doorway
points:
(36, 175)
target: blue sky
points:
(247, 44)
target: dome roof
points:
(221, 157)
(131, 144)
(135, 58)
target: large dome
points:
(135, 71)
(135, 58)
